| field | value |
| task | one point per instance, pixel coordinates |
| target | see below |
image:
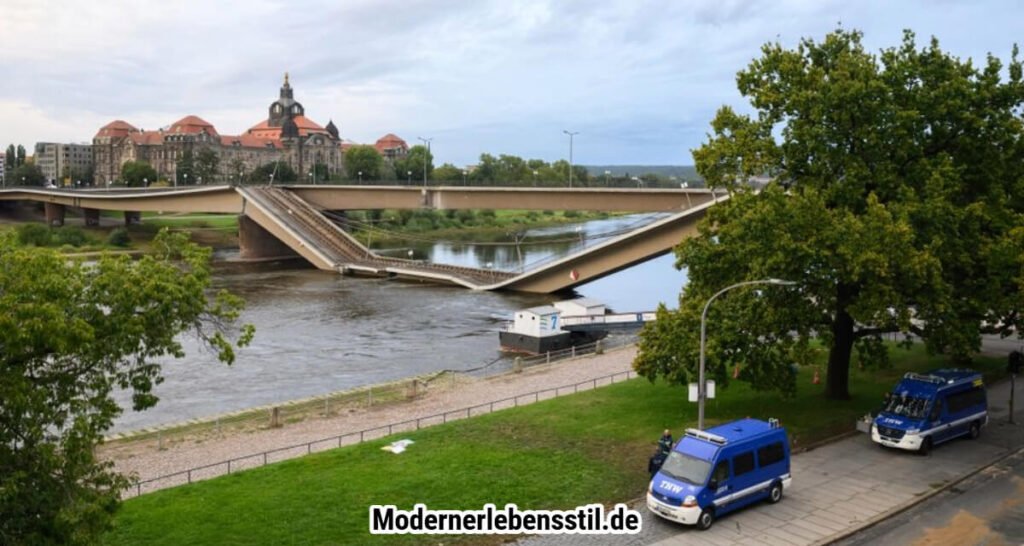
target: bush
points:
(465, 216)
(119, 237)
(34, 235)
(487, 213)
(571, 214)
(70, 236)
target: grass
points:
(569, 451)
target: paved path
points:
(836, 489)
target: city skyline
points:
(639, 81)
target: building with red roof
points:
(285, 135)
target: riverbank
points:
(150, 454)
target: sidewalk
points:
(837, 489)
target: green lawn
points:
(574, 450)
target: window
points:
(770, 454)
(742, 463)
(964, 400)
(721, 472)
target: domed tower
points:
(285, 107)
(289, 129)
(332, 129)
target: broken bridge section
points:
(303, 228)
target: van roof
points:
(704, 445)
(934, 380)
(742, 429)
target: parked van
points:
(709, 473)
(926, 410)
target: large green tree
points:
(138, 174)
(9, 158)
(418, 158)
(27, 174)
(280, 170)
(70, 334)
(207, 164)
(896, 205)
(363, 159)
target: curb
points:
(907, 505)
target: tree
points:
(448, 173)
(897, 205)
(71, 333)
(185, 169)
(281, 171)
(206, 163)
(27, 174)
(363, 159)
(20, 159)
(9, 158)
(415, 161)
(137, 174)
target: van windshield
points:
(907, 406)
(686, 468)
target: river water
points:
(318, 332)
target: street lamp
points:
(360, 177)
(571, 134)
(426, 142)
(145, 182)
(186, 179)
(607, 174)
(702, 384)
(535, 179)
(408, 177)
(464, 174)
(684, 186)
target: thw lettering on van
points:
(671, 486)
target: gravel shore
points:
(146, 460)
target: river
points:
(318, 332)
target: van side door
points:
(937, 421)
(719, 485)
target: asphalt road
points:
(987, 508)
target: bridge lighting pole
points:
(426, 142)
(607, 175)
(702, 383)
(464, 173)
(408, 178)
(535, 179)
(571, 134)
(360, 177)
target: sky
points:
(638, 80)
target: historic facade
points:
(286, 135)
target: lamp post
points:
(464, 174)
(186, 179)
(571, 134)
(684, 186)
(426, 142)
(408, 177)
(360, 177)
(145, 182)
(310, 173)
(702, 384)
(607, 175)
(535, 179)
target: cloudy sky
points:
(640, 80)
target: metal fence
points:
(262, 458)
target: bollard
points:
(517, 365)
(574, 351)
(160, 440)
(599, 347)
(548, 358)
(275, 417)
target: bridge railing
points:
(270, 456)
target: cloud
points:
(639, 79)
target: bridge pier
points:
(132, 217)
(54, 214)
(91, 216)
(256, 243)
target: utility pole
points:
(426, 154)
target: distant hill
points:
(682, 172)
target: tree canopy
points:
(363, 159)
(896, 204)
(71, 333)
(26, 174)
(415, 161)
(138, 174)
(282, 171)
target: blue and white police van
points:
(710, 473)
(925, 410)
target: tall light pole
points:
(571, 134)
(408, 178)
(607, 177)
(426, 142)
(702, 384)
(360, 177)
(464, 174)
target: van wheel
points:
(775, 494)
(926, 446)
(975, 431)
(705, 520)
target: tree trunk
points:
(837, 383)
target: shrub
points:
(487, 213)
(119, 237)
(34, 235)
(465, 216)
(70, 236)
(571, 214)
